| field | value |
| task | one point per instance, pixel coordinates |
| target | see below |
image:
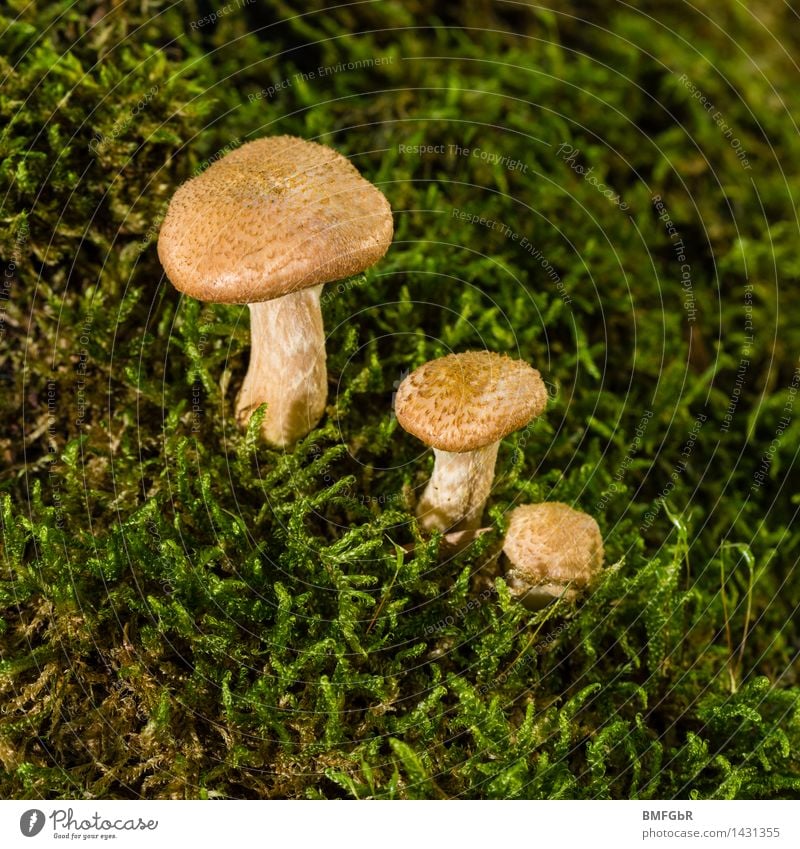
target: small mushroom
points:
(462, 405)
(551, 550)
(268, 225)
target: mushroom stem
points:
(287, 366)
(458, 489)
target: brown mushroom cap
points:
(463, 402)
(551, 543)
(276, 215)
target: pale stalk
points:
(458, 489)
(287, 366)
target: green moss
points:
(186, 613)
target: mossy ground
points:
(186, 613)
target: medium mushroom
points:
(551, 550)
(462, 405)
(268, 225)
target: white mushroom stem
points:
(287, 366)
(458, 489)
(539, 596)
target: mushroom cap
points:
(551, 545)
(274, 216)
(463, 402)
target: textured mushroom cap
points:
(462, 402)
(275, 216)
(549, 544)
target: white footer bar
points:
(401, 825)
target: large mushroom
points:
(551, 550)
(462, 405)
(268, 225)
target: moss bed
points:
(611, 197)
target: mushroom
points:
(268, 225)
(551, 550)
(462, 405)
